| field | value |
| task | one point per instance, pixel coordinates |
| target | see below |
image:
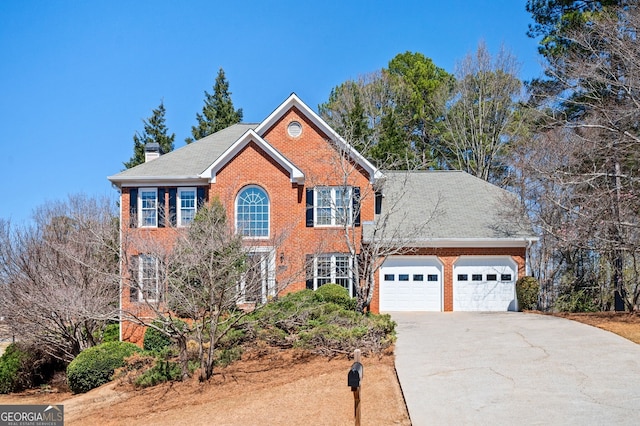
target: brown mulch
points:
(282, 388)
(625, 324)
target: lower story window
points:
(333, 268)
(146, 277)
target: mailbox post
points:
(353, 381)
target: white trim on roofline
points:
(463, 242)
(294, 101)
(295, 174)
(157, 181)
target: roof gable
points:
(295, 174)
(293, 101)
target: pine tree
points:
(154, 131)
(218, 112)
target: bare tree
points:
(481, 115)
(584, 155)
(193, 288)
(60, 275)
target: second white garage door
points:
(484, 284)
(411, 283)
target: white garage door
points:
(411, 283)
(484, 284)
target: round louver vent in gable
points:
(294, 129)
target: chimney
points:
(152, 151)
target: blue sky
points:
(77, 78)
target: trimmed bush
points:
(301, 320)
(527, 291)
(335, 293)
(10, 366)
(94, 367)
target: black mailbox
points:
(355, 375)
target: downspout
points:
(527, 267)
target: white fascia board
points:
(295, 174)
(294, 101)
(462, 242)
(123, 182)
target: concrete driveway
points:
(513, 368)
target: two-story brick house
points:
(284, 182)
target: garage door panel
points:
(484, 284)
(410, 283)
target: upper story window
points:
(252, 212)
(333, 206)
(148, 207)
(187, 202)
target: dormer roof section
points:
(293, 101)
(295, 174)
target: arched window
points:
(252, 212)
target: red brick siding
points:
(289, 234)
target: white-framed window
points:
(148, 278)
(333, 206)
(187, 205)
(333, 268)
(148, 207)
(252, 212)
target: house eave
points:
(523, 242)
(156, 181)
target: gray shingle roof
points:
(448, 205)
(189, 160)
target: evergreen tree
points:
(218, 112)
(154, 131)
(425, 82)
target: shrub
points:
(576, 301)
(24, 366)
(10, 366)
(337, 294)
(163, 370)
(157, 341)
(94, 367)
(302, 320)
(527, 291)
(111, 333)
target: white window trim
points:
(235, 211)
(179, 204)
(349, 206)
(141, 286)
(333, 277)
(140, 211)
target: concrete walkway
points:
(513, 368)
